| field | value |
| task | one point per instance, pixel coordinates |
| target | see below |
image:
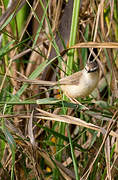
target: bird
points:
(79, 84)
(82, 83)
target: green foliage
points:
(54, 144)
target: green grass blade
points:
(73, 35)
(73, 155)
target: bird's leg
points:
(75, 101)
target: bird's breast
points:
(86, 85)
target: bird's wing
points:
(72, 79)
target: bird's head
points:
(92, 66)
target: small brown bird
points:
(79, 84)
(82, 83)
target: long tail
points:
(39, 82)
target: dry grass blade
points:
(96, 45)
(65, 171)
(30, 130)
(10, 10)
(110, 125)
(34, 152)
(72, 120)
(97, 19)
(58, 140)
(92, 45)
(107, 155)
(77, 153)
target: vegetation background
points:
(42, 134)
